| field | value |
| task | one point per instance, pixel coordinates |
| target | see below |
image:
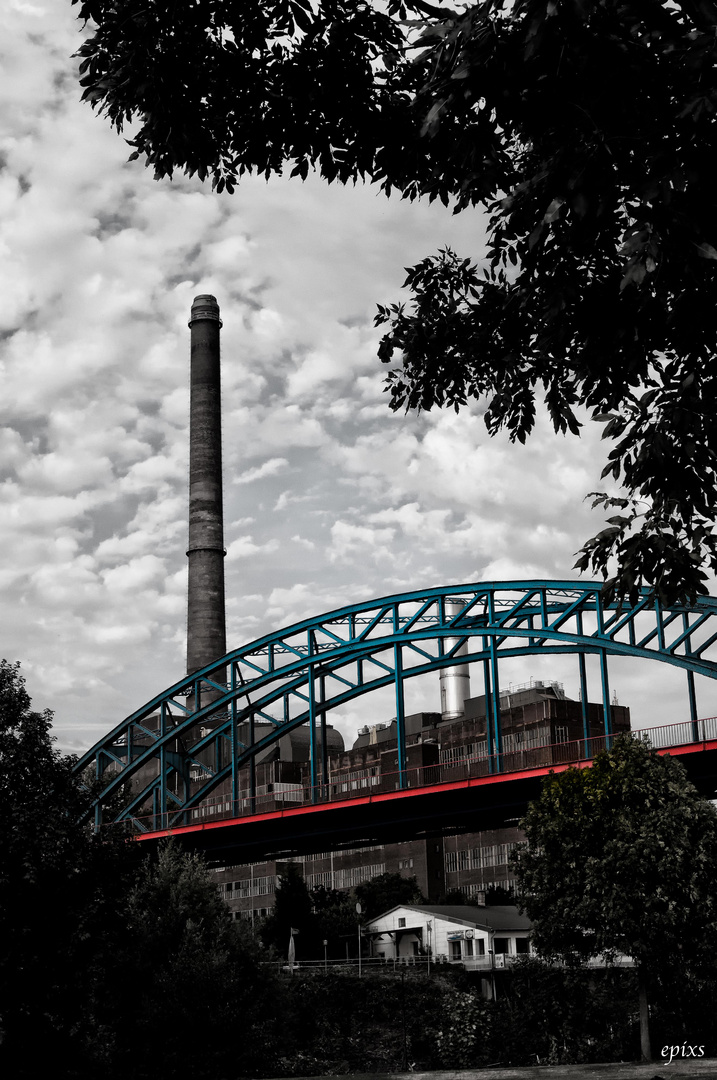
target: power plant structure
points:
(278, 776)
(238, 758)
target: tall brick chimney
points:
(206, 630)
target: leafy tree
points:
(386, 891)
(292, 910)
(454, 898)
(106, 962)
(499, 896)
(464, 1036)
(621, 858)
(335, 913)
(598, 288)
(61, 891)
(555, 1015)
(186, 991)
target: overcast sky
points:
(329, 498)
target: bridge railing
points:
(352, 785)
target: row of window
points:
(337, 854)
(315, 881)
(357, 778)
(347, 879)
(470, 947)
(475, 890)
(252, 913)
(478, 858)
(453, 754)
(258, 886)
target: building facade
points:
(540, 727)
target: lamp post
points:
(326, 955)
(359, 909)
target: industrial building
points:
(537, 720)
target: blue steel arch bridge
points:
(179, 764)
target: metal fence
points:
(340, 788)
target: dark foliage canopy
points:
(586, 127)
(110, 965)
(622, 858)
(187, 992)
(292, 911)
(60, 893)
(386, 891)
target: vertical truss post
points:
(694, 722)
(495, 707)
(252, 766)
(692, 696)
(400, 714)
(163, 766)
(312, 723)
(186, 784)
(488, 708)
(98, 804)
(660, 626)
(234, 741)
(495, 682)
(324, 747)
(607, 711)
(583, 689)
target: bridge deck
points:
(429, 804)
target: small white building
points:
(478, 938)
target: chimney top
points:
(205, 306)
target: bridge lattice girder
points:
(299, 674)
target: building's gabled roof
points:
(486, 918)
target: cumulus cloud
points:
(268, 468)
(244, 547)
(329, 498)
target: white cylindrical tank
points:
(455, 681)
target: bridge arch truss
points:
(298, 675)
